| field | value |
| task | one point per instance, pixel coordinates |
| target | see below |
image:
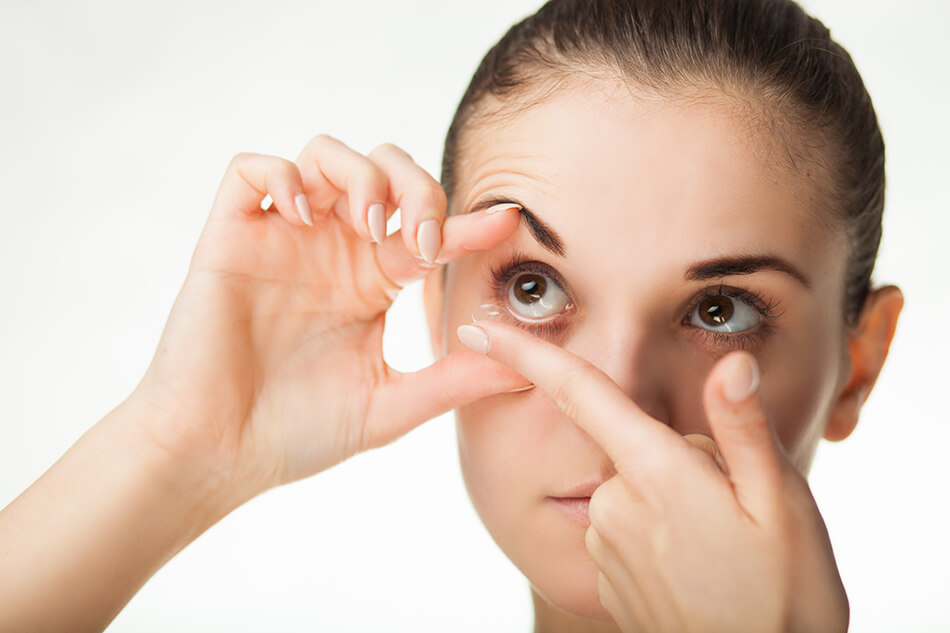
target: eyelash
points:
(552, 329)
(767, 309)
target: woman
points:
(719, 166)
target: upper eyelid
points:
(503, 274)
(762, 305)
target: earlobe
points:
(432, 296)
(868, 344)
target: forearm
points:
(80, 542)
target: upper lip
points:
(584, 489)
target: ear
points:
(432, 296)
(868, 343)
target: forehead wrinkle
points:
(489, 171)
(497, 150)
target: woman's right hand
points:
(270, 366)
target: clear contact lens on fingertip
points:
(487, 311)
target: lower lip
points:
(574, 507)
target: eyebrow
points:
(715, 268)
(742, 265)
(547, 237)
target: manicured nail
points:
(303, 208)
(504, 206)
(429, 238)
(473, 338)
(376, 218)
(266, 202)
(742, 378)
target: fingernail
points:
(303, 208)
(429, 238)
(742, 379)
(486, 311)
(473, 338)
(504, 206)
(519, 389)
(376, 219)
(266, 202)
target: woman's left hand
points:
(681, 543)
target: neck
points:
(550, 619)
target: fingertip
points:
(741, 378)
(474, 338)
(507, 216)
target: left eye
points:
(721, 313)
(536, 296)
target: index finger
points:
(419, 196)
(583, 392)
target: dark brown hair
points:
(769, 52)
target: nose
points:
(633, 357)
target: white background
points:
(117, 120)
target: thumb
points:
(752, 452)
(405, 400)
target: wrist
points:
(101, 521)
(205, 486)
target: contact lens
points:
(487, 311)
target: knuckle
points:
(285, 168)
(609, 511)
(389, 149)
(322, 140)
(591, 540)
(428, 195)
(317, 147)
(599, 507)
(239, 159)
(652, 471)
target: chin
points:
(572, 588)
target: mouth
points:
(574, 508)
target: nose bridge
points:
(631, 355)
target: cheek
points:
(798, 388)
(514, 451)
(495, 437)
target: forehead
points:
(683, 180)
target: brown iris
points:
(716, 310)
(529, 288)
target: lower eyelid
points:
(553, 329)
(747, 339)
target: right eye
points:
(533, 295)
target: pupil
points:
(530, 288)
(716, 310)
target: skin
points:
(639, 191)
(282, 311)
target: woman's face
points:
(643, 211)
